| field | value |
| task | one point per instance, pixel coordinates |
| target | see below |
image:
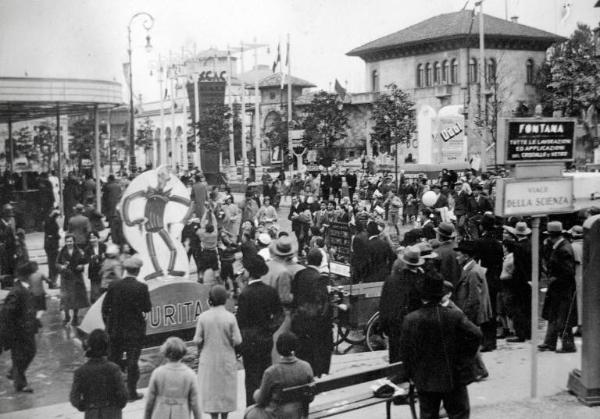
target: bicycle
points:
(375, 338)
(343, 331)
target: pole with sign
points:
(539, 148)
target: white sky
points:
(88, 38)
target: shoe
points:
(543, 347)
(566, 350)
(135, 396)
(515, 340)
(482, 377)
(487, 348)
(25, 389)
(577, 333)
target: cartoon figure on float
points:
(154, 208)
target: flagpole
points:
(243, 114)
(230, 103)
(257, 147)
(289, 106)
(482, 81)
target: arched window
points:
(445, 71)
(529, 74)
(454, 71)
(490, 71)
(437, 73)
(427, 74)
(473, 71)
(375, 80)
(420, 76)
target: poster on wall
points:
(449, 136)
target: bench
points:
(307, 392)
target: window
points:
(427, 74)
(473, 70)
(420, 76)
(490, 71)
(375, 81)
(437, 73)
(445, 68)
(454, 72)
(529, 74)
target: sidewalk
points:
(505, 394)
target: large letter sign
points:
(153, 209)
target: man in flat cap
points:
(123, 311)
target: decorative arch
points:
(420, 75)
(490, 71)
(445, 71)
(437, 73)
(454, 71)
(473, 71)
(428, 74)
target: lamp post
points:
(148, 23)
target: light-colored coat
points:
(172, 393)
(472, 296)
(217, 333)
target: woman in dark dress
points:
(51, 244)
(95, 253)
(71, 261)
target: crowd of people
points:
(455, 279)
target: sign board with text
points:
(340, 240)
(534, 196)
(536, 140)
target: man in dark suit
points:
(518, 285)
(560, 307)
(336, 185)
(351, 181)
(258, 314)
(449, 267)
(438, 346)
(299, 225)
(123, 310)
(359, 258)
(19, 324)
(479, 203)
(8, 246)
(311, 321)
(380, 256)
(111, 195)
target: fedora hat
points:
(554, 228)
(426, 250)
(520, 229)
(264, 239)
(282, 247)
(576, 232)
(412, 256)
(79, 207)
(466, 246)
(446, 230)
(432, 287)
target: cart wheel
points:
(376, 340)
(355, 336)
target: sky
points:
(88, 38)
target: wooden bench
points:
(307, 393)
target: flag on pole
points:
(287, 63)
(278, 59)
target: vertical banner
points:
(450, 141)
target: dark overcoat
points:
(559, 303)
(380, 260)
(123, 310)
(438, 346)
(72, 288)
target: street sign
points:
(534, 196)
(536, 140)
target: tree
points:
(574, 74)
(278, 137)
(393, 117)
(324, 124)
(144, 134)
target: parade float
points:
(154, 208)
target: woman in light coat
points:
(217, 335)
(173, 389)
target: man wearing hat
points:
(400, 296)
(279, 277)
(8, 246)
(80, 226)
(518, 286)
(560, 302)
(471, 292)
(123, 311)
(439, 345)
(449, 267)
(259, 315)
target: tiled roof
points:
(454, 25)
(275, 80)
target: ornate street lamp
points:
(148, 23)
